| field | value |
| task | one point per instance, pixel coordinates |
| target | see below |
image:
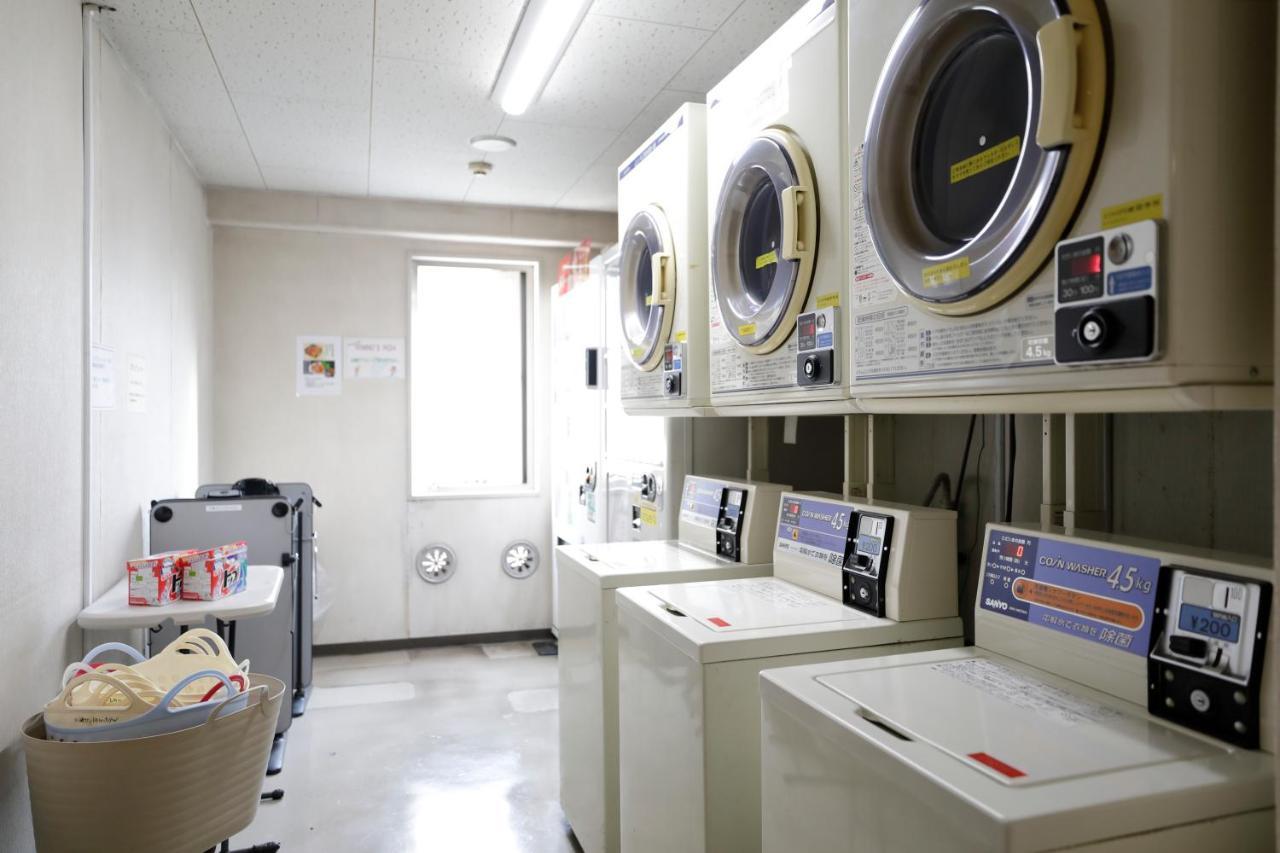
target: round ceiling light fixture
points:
(492, 142)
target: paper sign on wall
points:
(318, 364)
(102, 377)
(135, 393)
(375, 358)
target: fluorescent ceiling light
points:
(544, 31)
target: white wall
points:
(317, 272)
(40, 330)
(155, 301)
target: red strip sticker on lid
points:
(997, 765)
(718, 622)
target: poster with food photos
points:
(318, 362)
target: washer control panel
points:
(816, 359)
(1105, 293)
(866, 562)
(1205, 667)
(673, 358)
(733, 503)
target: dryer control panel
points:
(1205, 667)
(1106, 286)
(673, 370)
(816, 362)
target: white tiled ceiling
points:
(380, 97)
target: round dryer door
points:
(980, 144)
(647, 287)
(764, 239)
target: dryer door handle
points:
(794, 202)
(1061, 122)
(663, 279)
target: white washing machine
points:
(850, 580)
(1058, 730)
(726, 530)
(662, 313)
(776, 176)
(1054, 196)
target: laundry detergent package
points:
(157, 580)
(215, 573)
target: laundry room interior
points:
(638, 426)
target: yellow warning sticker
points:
(747, 329)
(983, 160)
(769, 257)
(649, 300)
(1148, 207)
(829, 300)
(637, 352)
(945, 273)
(681, 337)
(649, 516)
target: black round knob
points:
(162, 514)
(280, 509)
(670, 383)
(1093, 329)
(812, 367)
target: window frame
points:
(528, 269)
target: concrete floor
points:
(453, 750)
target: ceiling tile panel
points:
(466, 33)
(305, 134)
(419, 174)
(221, 159)
(158, 14)
(702, 15)
(319, 49)
(430, 105)
(611, 70)
(743, 32)
(177, 70)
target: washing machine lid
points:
(647, 286)
(1013, 723)
(981, 141)
(619, 564)
(763, 240)
(764, 617)
(883, 713)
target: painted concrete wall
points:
(317, 270)
(40, 330)
(155, 302)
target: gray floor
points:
(451, 749)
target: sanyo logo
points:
(995, 604)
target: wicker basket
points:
(182, 792)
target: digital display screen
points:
(1090, 264)
(732, 503)
(868, 544)
(1016, 550)
(1214, 624)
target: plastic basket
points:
(196, 650)
(119, 709)
(182, 792)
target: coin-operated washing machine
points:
(1115, 699)
(662, 316)
(1061, 196)
(725, 531)
(776, 168)
(850, 580)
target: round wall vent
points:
(520, 559)
(436, 563)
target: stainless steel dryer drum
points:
(1061, 196)
(776, 180)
